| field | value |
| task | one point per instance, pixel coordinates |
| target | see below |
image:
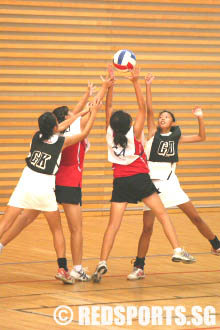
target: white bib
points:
(117, 154)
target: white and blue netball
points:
(124, 60)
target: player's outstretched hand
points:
(135, 74)
(95, 105)
(149, 78)
(197, 111)
(91, 88)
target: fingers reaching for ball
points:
(91, 88)
(95, 105)
(149, 78)
(134, 74)
(111, 71)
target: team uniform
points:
(69, 176)
(162, 155)
(69, 179)
(131, 182)
(35, 189)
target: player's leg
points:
(144, 241)
(74, 219)
(54, 222)
(116, 215)
(154, 203)
(25, 218)
(191, 212)
(143, 246)
(8, 218)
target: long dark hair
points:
(120, 123)
(61, 113)
(170, 113)
(46, 122)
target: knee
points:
(147, 231)
(75, 229)
(3, 228)
(26, 220)
(112, 229)
(196, 220)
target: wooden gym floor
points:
(29, 293)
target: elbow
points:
(83, 136)
(59, 128)
(203, 137)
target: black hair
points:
(170, 113)
(46, 122)
(61, 113)
(120, 123)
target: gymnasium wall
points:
(50, 49)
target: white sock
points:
(178, 250)
(101, 261)
(77, 268)
(1, 247)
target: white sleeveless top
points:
(117, 154)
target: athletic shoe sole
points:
(64, 281)
(87, 279)
(174, 259)
(215, 253)
(79, 280)
(97, 276)
(136, 278)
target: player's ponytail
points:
(120, 123)
(46, 122)
(120, 139)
